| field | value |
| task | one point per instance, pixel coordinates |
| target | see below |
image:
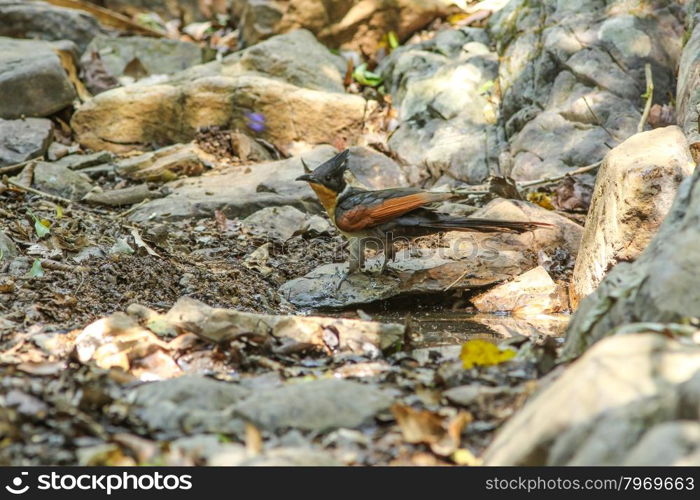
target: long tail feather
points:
(487, 225)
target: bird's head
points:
(329, 176)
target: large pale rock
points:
(531, 293)
(31, 72)
(688, 89)
(634, 191)
(134, 117)
(152, 56)
(595, 413)
(670, 443)
(40, 20)
(571, 77)
(660, 286)
(267, 88)
(22, 140)
(224, 325)
(440, 88)
(320, 405)
(466, 261)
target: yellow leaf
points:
(466, 457)
(541, 199)
(479, 352)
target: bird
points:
(387, 215)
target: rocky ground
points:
(169, 294)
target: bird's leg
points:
(356, 261)
(389, 255)
(357, 256)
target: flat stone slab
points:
(320, 405)
(22, 140)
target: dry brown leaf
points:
(441, 433)
(97, 78)
(70, 66)
(253, 440)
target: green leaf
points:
(40, 226)
(365, 77)
(36, 271)
(393, 40)
(486, 87)
(2, 254)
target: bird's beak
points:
(305, 177)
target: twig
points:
(470, 191)
(457, 280)
(649, 94)
(537, 182)
(60, 266)
(132, 209)
(48, 196)
(11, 169)
(598, 121)
(548, 180)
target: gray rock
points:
(19, 266)
(58, 179)
(571, 77)
(634, 190)
(375, 170)
(39, 20)
(277, 223)
(597, 410)
(278, 58)
(669, 443)
(189, 404)
(22, 140)
(56, 151)
(466, 395)
(31, 72)
(238, 191)
(153, 56)
(660, 286)
(259, 19)
(440, 88)
(317, 69)
(319, 405)
(81, 161)
(8, 249)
